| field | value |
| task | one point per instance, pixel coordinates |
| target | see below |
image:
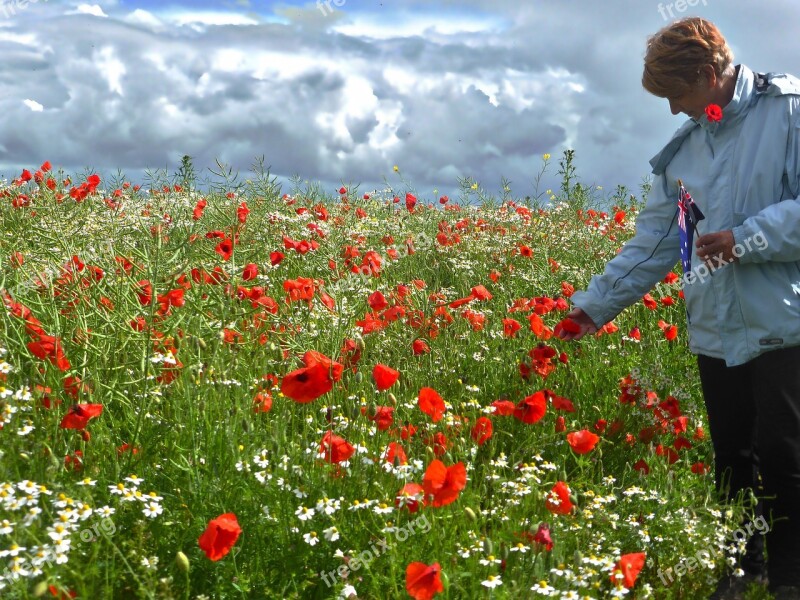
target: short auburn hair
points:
(676, 54)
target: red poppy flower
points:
(567, 325)
(385, 377)
(431, 403)
(641, 466)
(442, 484)
(408, 497)
(262, 402)
(561, 424)
(79, 415)
(531, 409)
(560, 403)
(384, 417)
(511, 327)
(482, 430)
(336, 449)
(225, 249)
(628, 568)
(307, 384)
(558, 501)
(395, 454)
(439, 443)
(335, 369)
(542, 536)
(713, 113)
(197, 213)
(423, 581)
(377, 301)
(250, 271)
(242, 212)
(420, 347)
(411, 202)
(503, 408)
(582, 441)
(479, 292)
(220, 536)
(649, 302)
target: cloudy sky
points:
(342, 90)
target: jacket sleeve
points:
(773, 234)
(644, 260)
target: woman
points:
(743, 294)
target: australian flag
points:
(688, 216)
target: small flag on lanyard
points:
(688, 216)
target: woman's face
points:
(693, 103)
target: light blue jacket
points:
(744, 174)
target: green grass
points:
(203, 451)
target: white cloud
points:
(145, 18)
(385, 27)
(33, 105)
(90, 9)
(209, 18)
(111, 68)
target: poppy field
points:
(257, 392)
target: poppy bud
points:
(488, 546)
(201, 342)
(182, 561)
(392, 399)
(24, 456)
(471, 514)
(359, 377)
(360, 342)
(573, 499)
(429, 451)
(40, 589)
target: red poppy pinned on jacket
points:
(220, 536)
(423, 581)
(713, 113)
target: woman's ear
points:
(710, 75)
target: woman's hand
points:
(584, 324)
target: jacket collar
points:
(743, 96)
